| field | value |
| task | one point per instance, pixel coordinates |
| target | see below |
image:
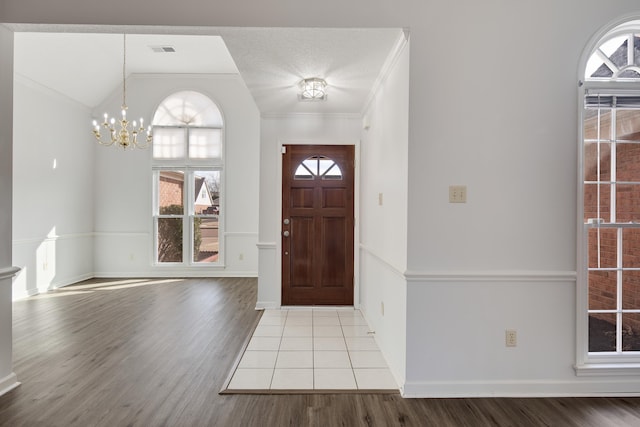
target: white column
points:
(7, 378)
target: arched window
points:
(617, 58)
(318, 167)
(187, 125)
(188, 141)
(609, 296)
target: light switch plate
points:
(457, 194)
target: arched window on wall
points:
(609, 289)
(188, 167)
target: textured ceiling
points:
(87, 66)
(273, 61)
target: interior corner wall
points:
(383, 213)
(123, 182)
(274, 132)
(53, 189)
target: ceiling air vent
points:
(163, 49)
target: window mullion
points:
(188, 211)
(609, 63)
(613, 196)
(613, 163)
(155, 238)
(619, 251)
(155, 207)
(614, 219)
(598, 180)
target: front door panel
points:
(317, 225)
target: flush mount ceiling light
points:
(313, 89)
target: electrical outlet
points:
(457, 194)
(510, 338)
(380, 199)
(382, 308)
(241, 256)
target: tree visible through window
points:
(187, 168)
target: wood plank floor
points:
(157, 352)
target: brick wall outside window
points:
(603, 284)
(171, 188)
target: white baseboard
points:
(8, 383)
(71, 280)
(21, 295)
(172, 274)
(267, 305)
(57, 285)
(550, 388)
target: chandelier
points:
(123, 137)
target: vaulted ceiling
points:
(87, 65)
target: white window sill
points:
(607, 369)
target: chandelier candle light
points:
(124, 137)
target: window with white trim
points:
(610, 296)
(187, 175)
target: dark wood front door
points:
(317, 225)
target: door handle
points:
(285, 233)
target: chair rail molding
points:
(267, 245)
(491, 276)
(395, 269)
(9, 272)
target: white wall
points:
(492, 105)
(383, 223)
(455, 331)
(123, 182)
(276, 131)
(53, 189)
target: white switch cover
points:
(457, 194)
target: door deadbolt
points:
(286, 221)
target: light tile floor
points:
(312, 349)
